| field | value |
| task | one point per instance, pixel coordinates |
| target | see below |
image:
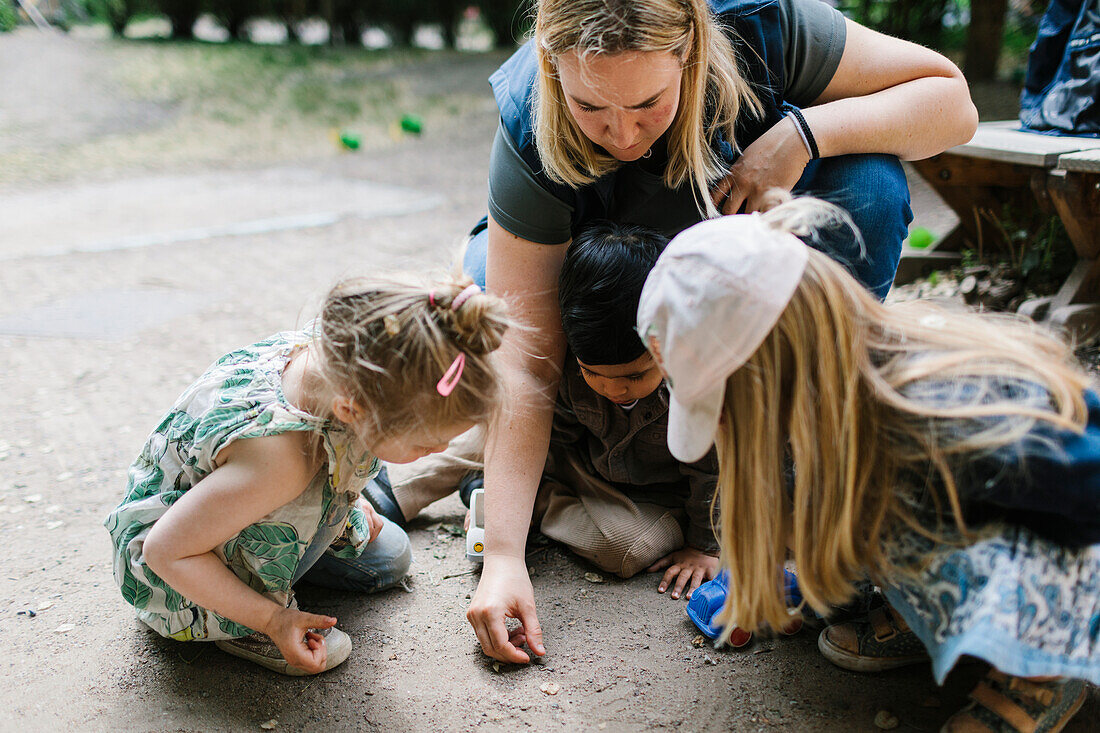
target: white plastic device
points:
(475, 536)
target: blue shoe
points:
(710, 597)
(379, 493)
(469, 482)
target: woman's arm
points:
(892, 96)
(526, 276)
(887, 96)
(256, 477)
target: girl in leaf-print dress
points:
(251, 481)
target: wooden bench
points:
(1004, 166)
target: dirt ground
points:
(77, 400)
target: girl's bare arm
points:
(255, 477)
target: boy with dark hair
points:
(611, 489)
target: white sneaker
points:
(261, 649)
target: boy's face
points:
(623, 383)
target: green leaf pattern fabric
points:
(240, 396)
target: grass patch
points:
(239, 104)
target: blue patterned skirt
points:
(1027, 606)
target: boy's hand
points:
(374, 521)
(686, 564)
(290, 629)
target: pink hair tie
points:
(470, 290)
(447, 384)
(431, 298)
(450, 378)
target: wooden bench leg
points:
(1076, 197)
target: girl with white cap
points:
(954, 457)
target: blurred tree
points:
(507, 19)
(234, 14)
(291, 13)
(182, 15)
(984, 39)
(116, 13)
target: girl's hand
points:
(776, 159)
(684, 565)
(374, 521)
(291, 630)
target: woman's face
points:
(622, 102)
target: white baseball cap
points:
(713, 296)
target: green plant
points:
(1033, 244)
(8, 17)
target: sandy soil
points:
(76, 409)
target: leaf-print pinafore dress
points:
(240, 396)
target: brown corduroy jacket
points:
(629, 448)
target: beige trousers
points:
(418, 484)
(574, 507)
(601, 523)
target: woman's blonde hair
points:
(712, 90)
(386, 344)
(880, 409)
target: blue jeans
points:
(871, 188)
(384, 562)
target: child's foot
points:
(881, 640)
(260, 649)
(379, 493)
(469, 483)
(1004, 704)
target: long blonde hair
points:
(879, 408)
(712, 90)
(386, 343)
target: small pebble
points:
(593, 577)
(885, 720)
(698, 641)
(54, 525)
(44, 605)
(33, 498)
(64, 628)
(269, 724)
(550, 688)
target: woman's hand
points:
(505, 592)
(774, 160)
(685, 565)
(291, 631)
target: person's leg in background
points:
(383, 564)
(874, 192)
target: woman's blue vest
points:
(752, 26)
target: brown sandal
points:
(1002, 703)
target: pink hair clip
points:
(450, 378)
(447, 384)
